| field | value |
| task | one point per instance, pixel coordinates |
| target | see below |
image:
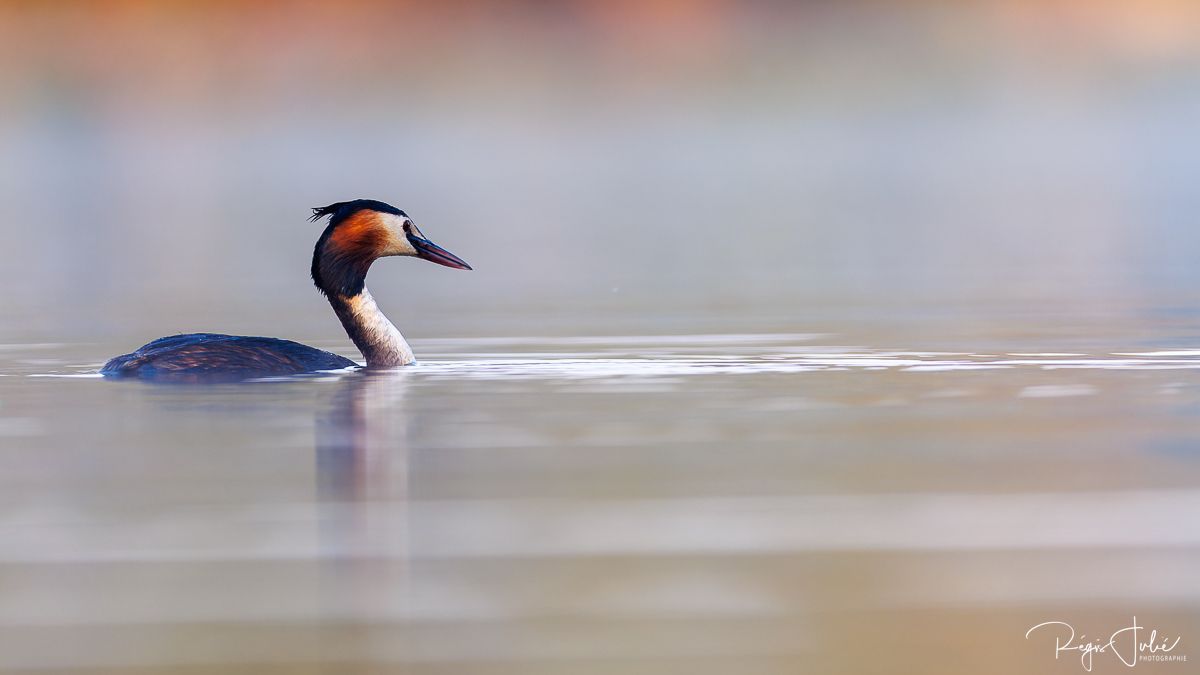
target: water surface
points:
(699, 502)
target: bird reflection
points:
(362, 489)
(362, 466)
(361, 439)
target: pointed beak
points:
(430, 251)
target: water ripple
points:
(665, 359)
(672, 356)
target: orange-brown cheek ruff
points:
(363, 234)
(345, 252)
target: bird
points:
(359, 232)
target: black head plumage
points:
(340, 211)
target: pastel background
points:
(847, 337)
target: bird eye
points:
(408, 227)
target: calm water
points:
(838, 501)
(803, 337)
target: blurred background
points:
(740, 159)
(853, 337)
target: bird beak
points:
(430, 251)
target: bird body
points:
(359, 232)
(199, 355)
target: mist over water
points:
(844, 339)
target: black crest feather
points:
(320, 212)
(340, 211)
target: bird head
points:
(362, 231)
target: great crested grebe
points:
(359, 232)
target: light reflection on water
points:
(757, 503)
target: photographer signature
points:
(1124, 644)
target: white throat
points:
(378, 340)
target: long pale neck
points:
(372, 333)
